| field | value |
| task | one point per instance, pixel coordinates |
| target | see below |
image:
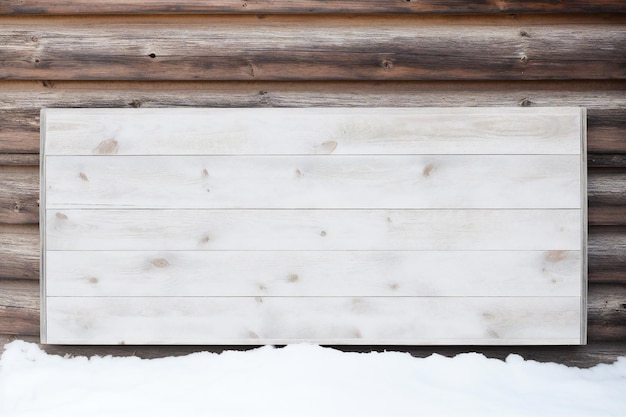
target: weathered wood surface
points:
(607, 254)
(308, 6)
(314, 131)
(605, 101)
(13, 159)
(326, 320)
(19, 307)
(607, 312)
(305, 273)
(19, 251)
(312, 48)
(19, 194)
(250, 229)
(607, 188)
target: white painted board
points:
(323, 225)
(329, 320)
(365, 181)
(314, 273)
(313, 131)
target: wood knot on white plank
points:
(61, 216)
(556, 255)
(428, 170)
(107, 147)
(83, 176)
(160, 262)
(293, 278)
(327, 147)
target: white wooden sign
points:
(325, 225)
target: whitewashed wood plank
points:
(398, 181)
(313, 229)
(333, 320)
(313, 273)
(306, 131)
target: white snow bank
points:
(303, 380)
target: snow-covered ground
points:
(303, 380)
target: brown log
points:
(308, 6)
(19, 194)
(607, 254)
(607, 216)
(606, 309)
(22, 101)
(319, 47)
(607, 161)
(19, 307)
(606, 188)
(19, 251)
(17, 159)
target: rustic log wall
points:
(315, 53)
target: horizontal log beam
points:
(607, 254)
(606, 188)
(311, 48)
(309, 7)
(19, 195)
(605, 101)
(17, 159)
(19, 307)
(19, 253)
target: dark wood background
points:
(136, 53)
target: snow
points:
(303, 380)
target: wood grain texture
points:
(19, 159)
(607, 317)
(19, 307)
(605, 101)
(313, 229)
(310, 182)
(310, 48)
(313, 131)
(298, 273)
(308, 7)
(328, 320)
(19, 194)
(607, 255)
(607, 188)
(19, 251)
